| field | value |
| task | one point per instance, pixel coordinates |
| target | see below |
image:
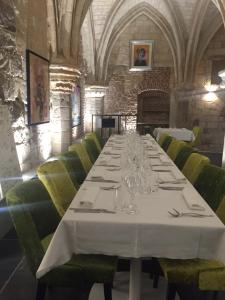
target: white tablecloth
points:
(182, 134)
(151, 232)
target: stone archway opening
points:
(153, 110)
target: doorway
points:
(153, 110)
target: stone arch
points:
(153, 109)
(204, 42)
(131, 15)
(192, 46)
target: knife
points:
(92, 210)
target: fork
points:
(175, 213)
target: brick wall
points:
(124, 87)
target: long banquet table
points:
(152, 232)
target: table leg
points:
(135, 279)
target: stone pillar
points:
(62, 81)
(94, 104)
(173, 109)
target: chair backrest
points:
(91, 148)
(162, 138)
(83, 155)
(96, 139)
(211, 184)
(165, 145)
(194, 165)
(56, 179)
(197, 131)
(183, 155)
(34, 217)
(221, 210)
(74, 167)
(174, 148)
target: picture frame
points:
(76, 106)
(38, 95)
(141, 55)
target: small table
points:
(182, 134)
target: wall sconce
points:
(211, 89)
(222, 76)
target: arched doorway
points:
(153, 110)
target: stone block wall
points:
(210, 116)
(192, 106)
(124, 87)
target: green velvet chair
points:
(162, 138)
(35, 220)
(74, 167)
(182, 156)
(58, 183)
(97, 139)
(165, 140)
(194, 165)
(211, 185)
(91, 148)
(174, 148)
(206, 275)
(197, 131)
(81, 151)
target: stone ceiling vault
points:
(188, 26)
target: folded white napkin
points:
(88, 197)
(178, 176)
(192, 199)
(153, 153)
(166, 177)
(105, 177)
(165, 160)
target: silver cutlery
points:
(105, 165)
(171, 188)
(175, 213)
(102, 180)
(108, 188)
(92, 210)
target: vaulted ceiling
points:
(187, 25)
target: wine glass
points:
(132, 187)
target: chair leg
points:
(41, 290)
(155, 281)
(108, 291)
(171, 291)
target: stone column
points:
(173, 109)
(94, 104)
(62, 82)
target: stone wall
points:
(23, 26)
(192, 105)
(214, 51)
(125, 85)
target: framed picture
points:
(141, 55)
(37, 88)
(76, 106)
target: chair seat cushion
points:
(189, 271)
(91, 267)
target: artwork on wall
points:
(76, 106)
(141, 55)
(37, 88)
